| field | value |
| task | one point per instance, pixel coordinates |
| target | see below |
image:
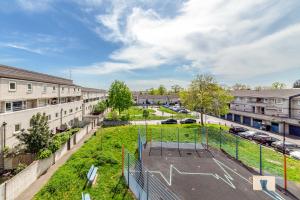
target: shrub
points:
(44, 153)
(114, 115)
(55, 145)
(19, 168)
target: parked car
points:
(265, 139)
(258, 135)
(169, 121)
(184, 111)
(247, 134)
(295, 154)
(188, 121)
(289, 147)
(237, 129)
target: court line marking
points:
(228, 178)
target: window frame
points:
(20, 128)
(9, 84)
(29, 90)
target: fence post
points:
(206, 137)
(178, 138)
(161, 142)
(195, 139)
(236, 148)
(220, 139)
(122, 160)
(128, 167)
(147, 185)
(260, 159)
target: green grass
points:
(166, 110)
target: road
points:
(215, 120)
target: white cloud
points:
(232, 37)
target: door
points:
(247, 121)
(237, 118)
(294, 130)
(275, 127)
(257, 123)
(229, 116)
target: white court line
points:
(228, 178)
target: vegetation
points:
(278, 85)
(206, 96)
(176, 89)
(99, 108)
(38, 135)
(239, 86)
(296, 84)
(119, 96)
(161, 90)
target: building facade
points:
(273, 110)
(143, 99)
(25, 93)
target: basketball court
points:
(193, 172)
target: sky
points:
(151, 42)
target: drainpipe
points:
(290, 104)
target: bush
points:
(55, 145)
(44, 153)
(125, 117)
(114, 115)
(19, 168)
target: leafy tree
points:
(176, 89)
(296, 84)
(162, 90)
(99, 107)
(205, 95)
(278, 85)
(119, 96)
(152, 91)
(239, 86)
(38, 135)
(146, 114)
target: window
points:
(279, 101)
(17, 127)
(49, 117)
(29, 87)
(74, 89)
(266, 100)
(44, 89)
(12, 86)
(71, 110)
(8, 106)
(53, 88)
(280, 110)
(65, 112)
(76, 108)
(56, 115)
(298, 102)
(272, 101)
(62, 89)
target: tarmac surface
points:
(202, 174)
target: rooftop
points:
(21, 74)
(283, 93)
(86, 89)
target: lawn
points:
(166, 110)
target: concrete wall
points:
(13, 187)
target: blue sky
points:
(152, 42)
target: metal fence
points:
(143, 183)
(262, 159)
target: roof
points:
(86, 89)
(276, 93)
(21, 74)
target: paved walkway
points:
(42, 180)
(160, 113)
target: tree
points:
(278, 85)
(205, 95)
(38, 135)
(146, 114)
(99, 107)
(239, 86)
(152, 91)
(176, 89)
(296, 84)
(162, 90)
(119, 96)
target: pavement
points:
(34, 188)
(207, 174)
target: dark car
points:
(265, 139)
(237, 129)
(169, 121)
(188, 121)
(289, 147)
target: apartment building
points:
(91, 97)
(25, 93)
(274, 110)
(142, 99)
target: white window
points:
(49, 117)
(279, 101)
(17, 127)
(12, 86)
(29, 87)
(65, 112)
(44, 89)
(56, 115)
(53, 88)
